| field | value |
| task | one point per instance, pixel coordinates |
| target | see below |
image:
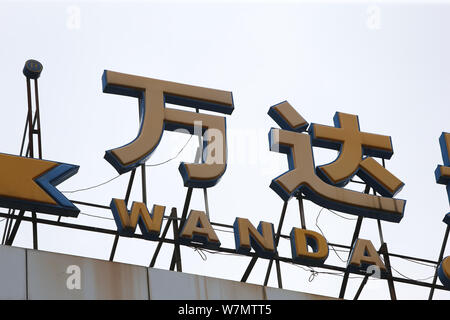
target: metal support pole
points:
(7, 226)
(277, 240)
(114, 247)
(346, 274)
(199, 153)
(38, 132)
(198, 157)
(24, 137)
(130, 185)
(249, 269)
(387, 263)
(355, 236)
(127, 197)
(441, 255)
(363, 283)
(160, 243)
(35, 235)
(205, 195)
(8, 233)
(380, 231)
(38, 117)
(30, 120)
(31, 70)
(384, 251)
(14, 230)
(187, 202)
(176, 257)
(280, 283)
(302, 211)
(27, 153)
(269, 268)
(144, 185)
(11, 217)
(31, 154)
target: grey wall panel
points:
(13, 273)
(218, 289)
(282, 294)
(48, 278)
(167, 285)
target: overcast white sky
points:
(387, 62)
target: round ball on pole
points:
(32, 69)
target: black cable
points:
(341, 216)
(95, 216)
(332, 247)
(335, 251)
(88, 188)
(147, 165)
(173, 158)
(221, 230)
(401, 274)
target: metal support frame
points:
(32, 127)
(356, 233)
(228, 250)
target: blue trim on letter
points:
(253, 243)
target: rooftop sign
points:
(29, 184)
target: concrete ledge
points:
(13, 276)
(32, 274)
(50, 276)
(169, 285)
